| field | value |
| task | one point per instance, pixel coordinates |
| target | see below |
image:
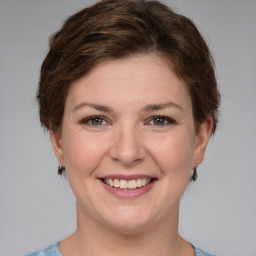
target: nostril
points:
(127, 147)
(127, 159)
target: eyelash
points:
(167, 120)
(88, 121)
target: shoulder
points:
(200, 252)
(52, 250)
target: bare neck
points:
(93, 238)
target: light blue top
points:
(53, 250)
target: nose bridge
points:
(128, 146)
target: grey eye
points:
(161, 120)
(96, 121)
(93, 121)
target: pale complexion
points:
(129, 116)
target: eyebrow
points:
(95, 106)
(147, 108)
(160, 106)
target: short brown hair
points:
(118, 29)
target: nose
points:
(127, 147)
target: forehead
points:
(140, 78)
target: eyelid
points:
(86, 120)
(170, 120)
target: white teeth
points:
(111, 182)
(116, 183)
(139, 183)
(132, 184)
(124, 184)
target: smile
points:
(125, 184)
(128, 186)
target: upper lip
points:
(127, 177)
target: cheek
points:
(173, 153)
(81, 153)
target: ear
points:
(57, 145)
(202, 138)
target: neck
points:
(154, 241)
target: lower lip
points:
(128, 193)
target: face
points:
(128, 142)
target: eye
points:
(94, 121)
(161, 121)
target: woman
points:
(129, 96)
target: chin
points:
(130, 222)
(130, 228)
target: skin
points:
(129, 140)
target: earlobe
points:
(203, 136)
(56, 144)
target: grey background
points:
(218, 212)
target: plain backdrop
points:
(37, 207)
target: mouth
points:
(128, 186)
(132, 184)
